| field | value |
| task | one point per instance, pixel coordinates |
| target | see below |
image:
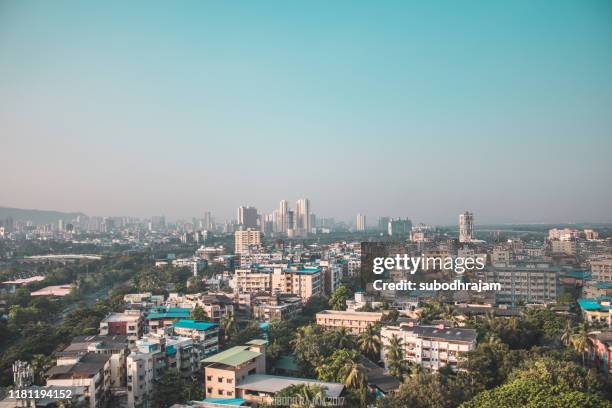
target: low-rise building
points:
(224, 370)
(206, 334)
(276, 307)
(90, 370)
(597, 310)
(356, 322)
(163, 316)
(432, 347)
(130, 323)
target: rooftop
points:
(195, 324)
(273, 384)
(89, 365)
(169, 313)
(594, 304)
(234, 356)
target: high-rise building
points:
(398, 226)
(283, 211)
(383, 223)
(302, 217)
(361, 222)
(246, 240)
(466, 227)
(247, 217)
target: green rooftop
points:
(233, 357)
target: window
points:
(220, 379)
(209, 390)
(209, 378)
(229, 380)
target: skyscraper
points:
(247, 217)
(466, 226)
(361, 222)
(302, 217)
(283, 210)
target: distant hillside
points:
(36, 216)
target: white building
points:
(432, 347)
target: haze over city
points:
(407, 110)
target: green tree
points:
(229, 326)
(199, 314)
(169, 389)
(582, 343)
(369, 343)
(40, 364)
(304, 395)
(394, 356)
(338, 299)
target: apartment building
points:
(129, 323)
(356, 322)
(205, 334)
(89, 370)
(144, 365)
(297, 279)
(276, 307)
(224, 370)
(601, 269)
(215, 305)
(432, 347)
(116, 346)
(246, 240)
(163, 316)
(530, 283)
(565, 247)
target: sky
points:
(399, 108)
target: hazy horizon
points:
(418, 110)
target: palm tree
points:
(344, 339)
(305, 396)
(356, 379)
(567, 334)
(395, 356)
(369, 342)
(582, 343)
(228, 323)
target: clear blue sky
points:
(406, 108)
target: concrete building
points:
(90, 370)
(297, 279)
(565, 247)
(356, 322)
(116, 346)
(302, 217)
(163, 316)
(596, 310)
(247, 217)
(205, 334)
(466, 227)
(563, 234)
(129, 323)
(529, 283)
(224, 370)
(432, 347)
(361, 222)
(601, 269)
(275, 307)
(246, 240)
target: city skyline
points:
(399, 109)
